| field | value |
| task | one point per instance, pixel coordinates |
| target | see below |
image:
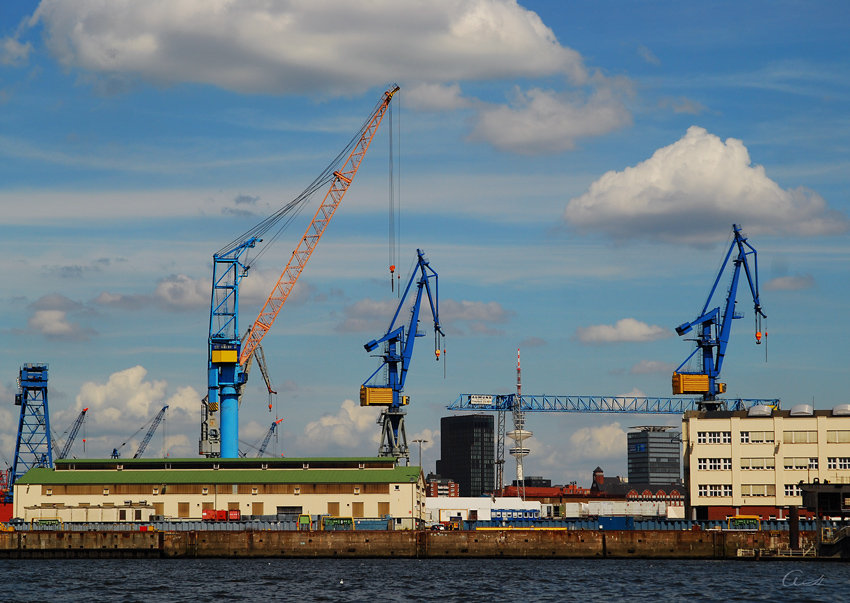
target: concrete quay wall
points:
(493, 544)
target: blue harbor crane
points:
(714, 327)
(227, 356)
(397, 353)
(33, 447)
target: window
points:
(840, 436)
(758, 490)
(714, 464)
(713, 490)
(383, 509)
(357, 509)
(793, 490)
(714, 437)
(138, 515)
(122, 515)
(842, 462)
(757, 463)
(799, 437)
(756, 437)
(333, 509)
(801, 463)
(257, 508)
(182, 509)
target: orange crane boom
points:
(339, 186)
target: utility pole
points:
(420, 442)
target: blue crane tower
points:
(34, 447)
(397, 353)
(227, 355)
(714, 327)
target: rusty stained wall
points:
(493, 544)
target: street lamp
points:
(420, 442)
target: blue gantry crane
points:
(397, 353)
(34, 447)
(714, 327)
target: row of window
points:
(714, 490)
(834, 436)
(790, 463)
(714, 464)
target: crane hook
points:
(392, 282)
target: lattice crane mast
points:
(154, 423)
(397, 353)
(714, 327)
(267, 438)
(78, 422)
(227, 355)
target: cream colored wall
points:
(402, 497)
(778, 450)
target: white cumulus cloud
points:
(280, 46)
(126, 402)
(626, 329)
(437, 97)
(603, 442)
(352, 430)
(692, 191)
(544, 122)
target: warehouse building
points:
(188, 489)
(754, 462)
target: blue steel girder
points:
(595, 404)
(33, 447)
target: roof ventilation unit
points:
(759, 410)
(841, 410)
(802, 410)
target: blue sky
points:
(565, 166)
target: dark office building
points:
(467, 453)
(654, 456)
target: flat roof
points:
(217, 463)
(45, 476)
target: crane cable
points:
(292, 209)
(394, 201)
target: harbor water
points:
(443, 580)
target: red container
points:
(221, 515)
(208, 515)
(234, 515)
